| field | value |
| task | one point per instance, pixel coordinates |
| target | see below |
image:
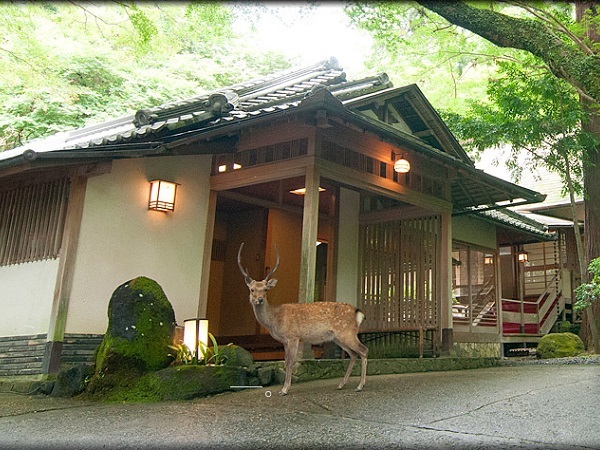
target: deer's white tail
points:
(360, 316)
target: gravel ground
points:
(583, 359)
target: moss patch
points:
(559, 345)
(179, 383)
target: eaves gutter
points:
(111, 151)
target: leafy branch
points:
(588, 293)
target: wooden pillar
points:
(64, 277)
(347, 271)
(445, 277)
(521, 272)
(206, 258)
(310, 223)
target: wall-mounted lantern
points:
(401, 165)
(488, 259)
(522, 256)
(162, 195)
(195, 331)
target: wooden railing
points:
(534, 317)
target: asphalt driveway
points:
(520, 407)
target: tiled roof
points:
(518, 221)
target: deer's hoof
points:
(358, 389)
(282, 393)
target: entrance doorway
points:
(263, 216)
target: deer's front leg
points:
(291, 350)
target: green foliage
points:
(143, 26)
(536, 113)
(182, 355)
(215, 355)
(588, 293)
(64, 65)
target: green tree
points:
(65, 65)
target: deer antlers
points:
(247, 277)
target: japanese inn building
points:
(368, 196)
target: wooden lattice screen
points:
(31, 221)
(398, 274)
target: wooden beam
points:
(381, 186)
(273, 134)
(396, 213)
(267, 204)
(64, 277)
(260, 174)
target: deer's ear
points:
(271, 283)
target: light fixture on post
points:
(401, 165)
(488, 259)
(522, 256)
(162, 195)
(195, 331)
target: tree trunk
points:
(591, 326)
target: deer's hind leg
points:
(354, 347)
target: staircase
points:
(535, 316)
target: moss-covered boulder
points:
(140, 329)
(236, 356)
(559, 345)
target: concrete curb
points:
(28, 384)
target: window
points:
(31, 221)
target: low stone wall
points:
(317, 369)
(477, 349)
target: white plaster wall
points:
(26, 295)
(121, 239)
(347, 257)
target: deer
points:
(313, 323)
